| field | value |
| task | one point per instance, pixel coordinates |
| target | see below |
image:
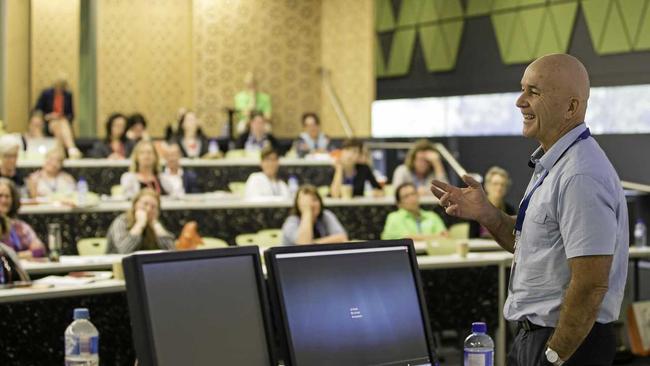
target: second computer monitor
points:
(351, 304)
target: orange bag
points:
(189, 238)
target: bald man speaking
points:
(570, 236)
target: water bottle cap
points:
(479, 327)
(639, 221)
(81, 313)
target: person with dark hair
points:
(421, 166)
(266, 183)
(190, 136)
(16, 233)
(113, 146)
(310, 223)
(410, 221)
(255, 138)
(349, 171)
(139, 228)
(176, 179)
(55, 104)
(136, 130)
(311, 140)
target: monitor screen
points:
(352, 306)
(202, 310)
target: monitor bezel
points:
(141, 326)
(279, 308)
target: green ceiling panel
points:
(453, 33)
(505, 4)
(449, 8)
(384, 17)
(409, 12)
(380, 65)
(401, 52)
(564, 19)
(478, 7)
(519, 51)
(548, 41)
(643, 42)
(614, 37)
(503, 24)
(531, 20)
(632, 11)
(429, 12)
(531, 2)
(436, 54)
(595, 12)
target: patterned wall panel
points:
(16, 56)
(278, 40)
(144, 59)
(54, 44)
(347, 33)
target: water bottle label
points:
(480, 358)
(75, 346)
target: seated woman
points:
(51, 178)
(14, 232)
(144, 171)
(114, 145)
(349, 171)
(176, 179)
(421, 166)
(9, 147)
(190, 136)
(310, 223)
(266, 182)
(136, 130)
(311, 140)
(255, 137)
(139, 228)
(497, 182)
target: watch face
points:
(551, 355)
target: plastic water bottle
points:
(82, 191)
(479, 347)
(640, 234)
(293, 185)
(213, 147)
(81, 341)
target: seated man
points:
(266, 183)
(175, 179)
(409, 221)
(56, 106)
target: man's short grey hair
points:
(9, 143)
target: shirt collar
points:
(549, 158)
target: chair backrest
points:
(459, 231)
(269, 237)
(208, 242)
(235, 153)
(237, 187)
(92, 246)
(246, 239)
(324, 191)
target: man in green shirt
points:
(409, 221)
(251, 100)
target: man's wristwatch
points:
(553, 357)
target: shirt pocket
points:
(535, 233)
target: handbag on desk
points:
(189, 238)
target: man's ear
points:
(574, 107)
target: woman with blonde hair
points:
(496, 184)
(422, 165)
(51, 178)
(144, 171)
(14, 232)
(139, 228)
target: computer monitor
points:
(201, 307)
(350, 304)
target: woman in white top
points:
(144, 172)
(422, 165)
(266, 182)
(51, 179)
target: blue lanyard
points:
(524, 204)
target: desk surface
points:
(28, 294)
(208, 201)
(125, 163)
(72, 263)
